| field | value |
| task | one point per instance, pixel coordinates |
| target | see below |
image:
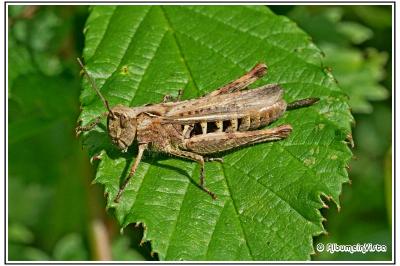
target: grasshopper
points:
(226, 118)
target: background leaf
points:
(46, 166)
(363, 70)
(269, 194)
(357, 71)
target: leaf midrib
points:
(237, 212)
(223, 172)
(173, 33)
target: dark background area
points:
(56, 214)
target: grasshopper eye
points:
(124, 121)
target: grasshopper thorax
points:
(121, 127)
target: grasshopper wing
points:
(235, 105)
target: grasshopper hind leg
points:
(198, 158)
(222, 141)
(257, 72)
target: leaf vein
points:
(180, 50)
(251, 34)
(104, 33)
(277, 195)
(237, 212)
(151, 60)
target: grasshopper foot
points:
(95, 158)
(203, 187)
(212, 194)
(116, 199)
(169, 98)
(78, 131)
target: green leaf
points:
(20, 62)
(375, 16)
(325, 25)
(19, 233)
(36, 104)
(269, 194)
(70, 247)
(388, 184)
(322, 25)
(358, 74)
(355, 32)
(122, 251)
(18, 252)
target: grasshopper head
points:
(121, 127)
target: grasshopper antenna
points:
(105, 102)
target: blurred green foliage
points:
(359, 71)
(50, 201)
(357, 43)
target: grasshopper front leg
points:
(142, 147)
(198, 158)
(91, 125)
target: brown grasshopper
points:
(221, 120)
